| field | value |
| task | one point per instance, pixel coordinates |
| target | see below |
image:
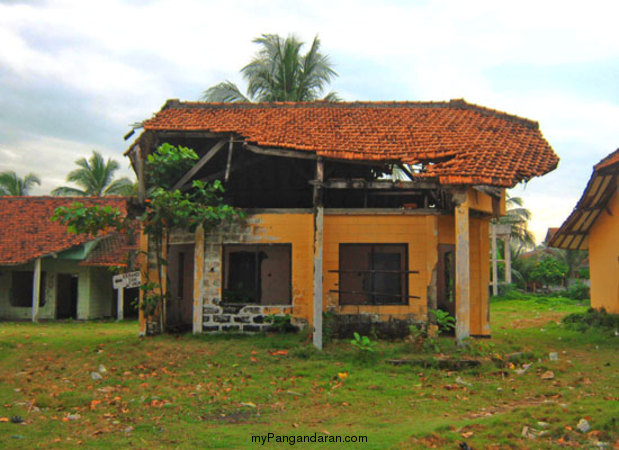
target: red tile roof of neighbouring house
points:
(602, 185)
(460, 143)
(27, 233)
(112, 250)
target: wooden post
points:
(140, 174)
(318, 240)
(495, 269)
(143, 258)
(36, 289)
(229, 162)
(463, 273)
(120, 304)
(508, 260)
(198, 281)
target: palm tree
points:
(96, 178)
(518, 217)
(279, 72)
(12, 184)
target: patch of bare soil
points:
(537, 321)
(492, 410)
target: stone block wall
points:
(240, 318)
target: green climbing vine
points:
(164, 210)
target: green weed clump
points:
(578, 291)
(593, 319)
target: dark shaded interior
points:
(21, 288)
(260, 274)
(66, 296)
(268, 181)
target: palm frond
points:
(122, 186)
(94, 176)
(67, 191)
(224, 92)
(12, 184)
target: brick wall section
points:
(252, 230)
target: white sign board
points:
(126, 280)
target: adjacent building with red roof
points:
(75, 280)
(377, 212)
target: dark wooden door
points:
(66, 296)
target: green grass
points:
(215, 391)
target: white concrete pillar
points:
(495, 269)
(198, 281)
(463, 273)
(36, 289)
(508, 260)
(120, 304)
(318, 229)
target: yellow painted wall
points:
(479, 245)
(298, 230)
(483, 202)
(422, 233)
(419, 232)
(604, 259)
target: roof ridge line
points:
(453, 103)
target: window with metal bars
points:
(373, 274)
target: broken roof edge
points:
(459, 103)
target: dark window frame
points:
(256, 247)
(402, 299)
(30, 274)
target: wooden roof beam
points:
(377, 184)
(206, 158)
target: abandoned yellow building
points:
(373, 212)
(594, 225)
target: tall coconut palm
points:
(95, 176)
(518, 217)
(279, 72)
(12, 184)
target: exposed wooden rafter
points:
(376, 184)
(206, 158)
(302, 154)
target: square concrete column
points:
(198, 281)
(463, 273)
(36, 289)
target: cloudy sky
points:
(75, 74)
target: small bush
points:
(280, 323)
(593, 318)
(578, 291)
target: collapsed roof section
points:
(452, 143)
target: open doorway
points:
(446, 286)
(180, 286)
(66, 296)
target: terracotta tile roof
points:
(608, 162)
(574, 232)
(468, 144)
(26, 232)
(112, 250)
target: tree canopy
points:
(95, 177)
(280, 72)
(12, 184)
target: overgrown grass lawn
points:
(217, 391)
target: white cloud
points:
(122, 60)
